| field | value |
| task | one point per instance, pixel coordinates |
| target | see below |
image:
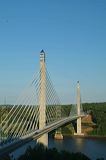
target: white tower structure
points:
(42, 99)
(79, 132)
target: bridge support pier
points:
(42, 99)
(79, 132)
(58, 134)
(44, 140)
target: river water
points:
(92, 147)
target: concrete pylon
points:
(42, 99)
(79, 132)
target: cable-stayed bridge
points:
(37, 112)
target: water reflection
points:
(79, 142)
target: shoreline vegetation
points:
(42, 153)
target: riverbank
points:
(82, 136)
(85, 136)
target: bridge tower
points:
(42, 99)
(79, 132)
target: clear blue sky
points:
(73, 35)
